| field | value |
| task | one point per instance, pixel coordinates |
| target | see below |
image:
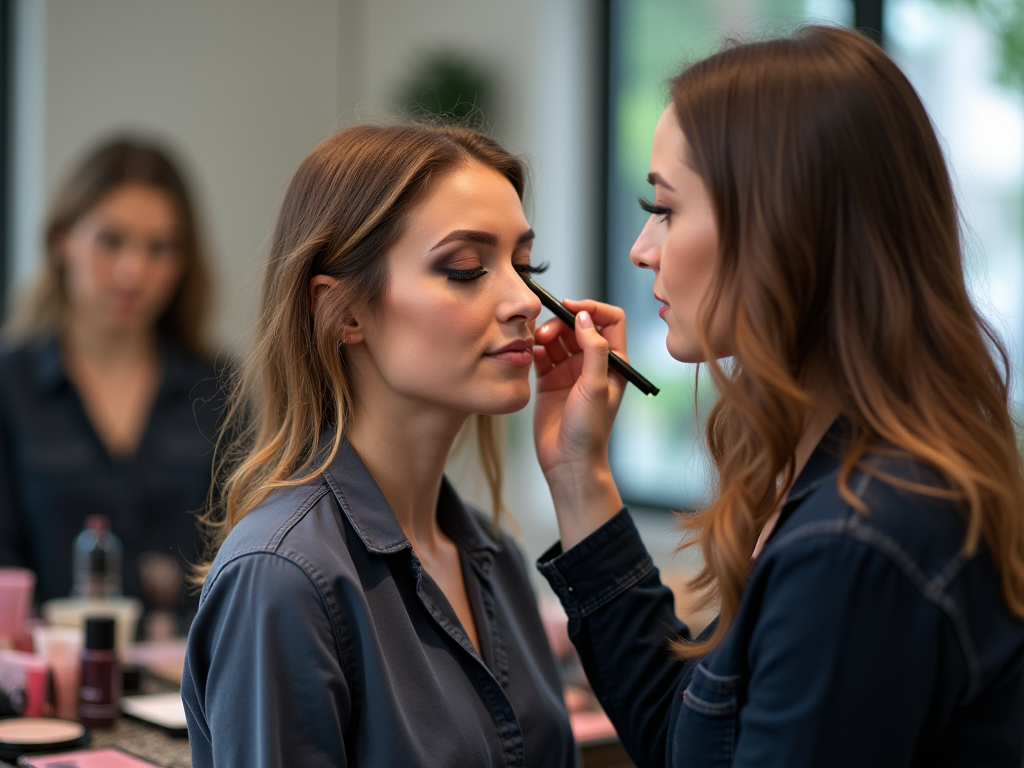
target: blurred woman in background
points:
(108, 398)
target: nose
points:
(132, 264)
(646, 251)
(518, 303)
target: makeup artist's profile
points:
(864, 543)
(357, 612)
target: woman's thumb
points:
(595, 349)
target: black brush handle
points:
(614, 361)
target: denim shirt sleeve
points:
(263, 670)
(621, 619)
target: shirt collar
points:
(825, 460)
(823, 464)
(48, 368)
(370, 514)
(178, 372)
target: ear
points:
(317, 285)
(352, 331)
(57, 246)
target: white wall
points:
(243, 88)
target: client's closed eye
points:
(453, 273)
(463, 274)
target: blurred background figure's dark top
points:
(55, 470)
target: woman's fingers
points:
(542, 362)
(595, 350)
(560, 357)
(610, 319)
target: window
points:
(656, 449)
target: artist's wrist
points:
(585, 499)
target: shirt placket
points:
(492, 682)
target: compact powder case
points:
(28, 735)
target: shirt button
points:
(570, 590)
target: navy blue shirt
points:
(321, 641)
(861, 640)
(55, 469)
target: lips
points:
(664, 306)
(517, 353)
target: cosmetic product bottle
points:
(99, 697)
(97, 560)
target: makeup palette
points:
(29, 735)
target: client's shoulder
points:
(300, 523)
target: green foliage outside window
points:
(1005, 19)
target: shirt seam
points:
(932, 590)
(346, 505)
(315, 579)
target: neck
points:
(405, 444)
(826, 409)
(83, 340)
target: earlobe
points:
(352, 333)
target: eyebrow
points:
(656, 178)
(477, 236)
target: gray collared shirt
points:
(321, 641)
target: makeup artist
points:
(865, 543)
(357, 613)
(108, 398)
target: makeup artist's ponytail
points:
(347, 202)
(840, 260)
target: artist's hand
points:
(577, 399)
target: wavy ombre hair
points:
(840, 261)
(347, 203)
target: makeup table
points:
(155, 745)
(146, 741)
(600, 747)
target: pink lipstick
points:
(518, 353)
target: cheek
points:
(688, 266)
(166, 277)
(84, 271)
(430, 341)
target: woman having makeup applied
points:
(865, 541)
(357, 613)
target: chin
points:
(509, 401)
(684, 353)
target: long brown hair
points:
(116, 163)
(840, 255)
(348, 201)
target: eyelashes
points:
(532, 269)
(654, 210)
(476, 272)
(463, 274)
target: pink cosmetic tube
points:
(16, 588)
(24, 679)
(62, 649)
